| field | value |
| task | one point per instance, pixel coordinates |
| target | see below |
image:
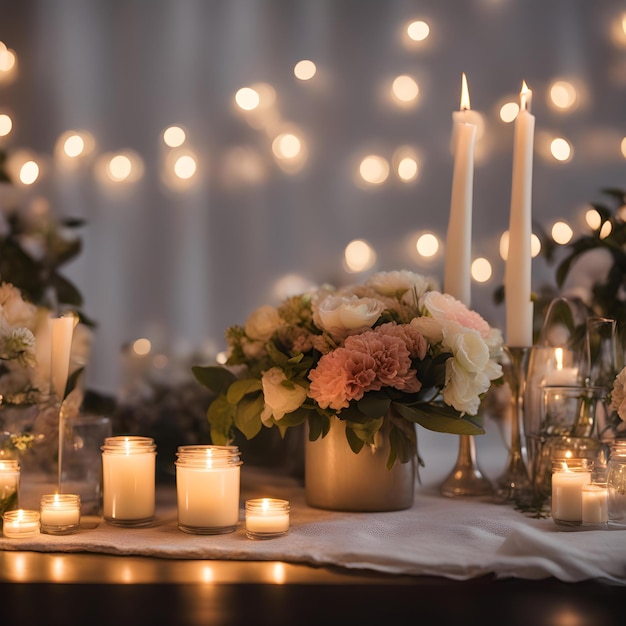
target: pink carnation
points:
(411, 337)
(367, 362)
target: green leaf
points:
(441, 419)
(217, 379)
(241, 388)
(356, 444)
(319, 425)
(374, 404)
(221, 416)
(248, 415)
(367, 430)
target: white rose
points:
(262, 323)
(279, 398)
(469, 348)
(337, 313)
(463, 388)
(392, 283)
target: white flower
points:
(338, 313)
(14, 309)
(262, 323)
(618, 395)
(280, 396)
(400, 282)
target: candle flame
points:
(558, 356)
(265, 504)
(525, 97)
(465, 99)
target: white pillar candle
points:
(594, 504)
(60, 513)
(517, 281)
(128, 480)
(266, 518)
(459, 234)
(557, 373)
(21, 524)
(568, 479)
(207, 487)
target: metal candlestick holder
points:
(466, 479)
(514, 483)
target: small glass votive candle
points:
(568, 478)
(595, 499)
(21, 524)
(207, 489)
(267, 518)
(60, 513)
(128, 480)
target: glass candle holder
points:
(267, 518)
(568, 478)
(60, 513)
(207, 488)
(21, 524)
(9, 485)
(595, 505)
(616, 484)
(128, 480)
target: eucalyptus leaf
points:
(221, 416)
(241, 388)
(217, 379)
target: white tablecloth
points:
(438, 536)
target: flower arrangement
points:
(393, 349)
(617, 403)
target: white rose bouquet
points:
(393, 349)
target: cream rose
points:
(279, 398)
(337, 313)
(399, 282)
(262, 323)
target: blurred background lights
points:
(7, 59)
(561, 149)
(359, 256)
(509, 111)
(593, 219)
(535, 245)
(405, 89)
(618, 30)
(74, 146)
(247, 98)
(185, 166)
(622, 146)
(6, 124)
(481, 270)
(142, 346)
(427, 245)
(562, 233)
(563, 95)
(291, 285)
(406, 163)
(119, 168)
(606, 230)
(418, 30)
(286, 146)
(174, 136)
(29, 173)
(374, 169)
(305, 69)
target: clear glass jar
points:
(9, 485)
(128, 480)
(207, 488)
(60, 513)
(616, 483)
(568, 478)
(266, 518)
(21, 524)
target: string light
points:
(427, 245)
(359, 256)
(174, 136)
(305, 70)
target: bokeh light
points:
(535, 245)
(563, 95)
(174, 136)
(247, 98)
(418, 30)
(562, 233)
(185, 166)
(593, 219)
(405, 89)
(606, 230)
(29, 173)
(508, 112)
(142, 346)
(406, 163)
(481, 270)
(427, 245)
(374, 169)
(561, 149)
(305, 69)
(359, 256)
(6, 124)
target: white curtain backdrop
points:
(179, 265)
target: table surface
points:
(77, 587)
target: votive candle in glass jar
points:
(9, 485)
(60, 513)
(128, 480)
(266, 518)
(616, 484)
(207, 488)
(568, 478)
(595, 505)
(21, 524)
